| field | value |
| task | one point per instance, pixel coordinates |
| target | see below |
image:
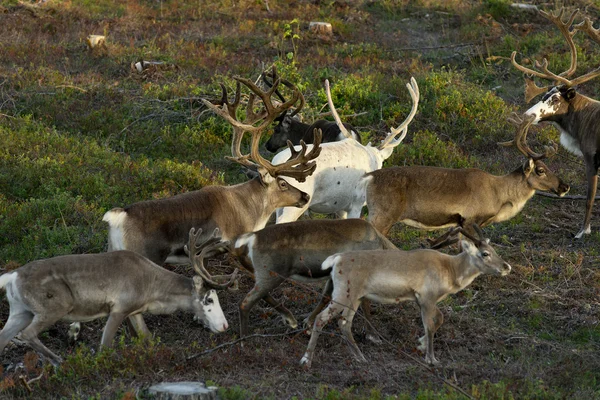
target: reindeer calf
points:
(425, 276)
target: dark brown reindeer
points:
(295, 250)
(576, 116)
(425, 276)
(290, 128)
(435, 198)
(119, 284)
(158, 229)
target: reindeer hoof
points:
(305, 362)
(421, 346)
(375, 339)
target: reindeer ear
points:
(198, 282)
(468, 246)
(264, 176)
(528, 166)
(569, 94)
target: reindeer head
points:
(205, 301)
(559, 97)
(535, 171)
(300, 164)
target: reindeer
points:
(341, 166)
(290, 128)
(120, 284)
(158, 229)
(296, 250)
(576, 116)
(435, 198)
(425, 276)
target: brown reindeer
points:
(434, 198)
(158, 229)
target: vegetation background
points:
(81, 132)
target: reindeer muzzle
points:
(563, 189)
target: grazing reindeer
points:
(158, 229)
(290, 128)
(296, 250)
(576, 116)
(435, 198)
(118, 284)
(342, 165)
(425, 276)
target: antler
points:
(451, 237)
(520, 140)
(254, 160)
(546, 74)
(391, 140)
(274, 78)
(531, 89)
(207, 247)
(334, 112)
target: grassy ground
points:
(80, 133)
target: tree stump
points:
(182, 391)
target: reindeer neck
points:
(173, 292)
(463, 270)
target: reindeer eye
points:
(541, 171)
(209, 301)
(485, 253)
(283, 184)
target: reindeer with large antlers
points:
(120, 285)
(342, 165)
(158, 229)
(434, 198)
(290, 128)
(576, 116)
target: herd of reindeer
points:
(326, 169)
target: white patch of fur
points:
(116, 235)
(543, 108)
(247, 239)
(7, 278)
(569, 142)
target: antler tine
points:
(208, 246)
(392, 140)
(447, 239)
(532, 90)
(520, 140)
(587, 27)
(288, 84)
(567, 34)
(334, 112)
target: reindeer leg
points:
(372, 334)
(432, 320)
(252, 298)
(29, 335)
(345, 324)
(592, 179)
(287, 316)
(110, 329)
(325, 299)
(322, 319)
(137, 323)
(15, 324)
